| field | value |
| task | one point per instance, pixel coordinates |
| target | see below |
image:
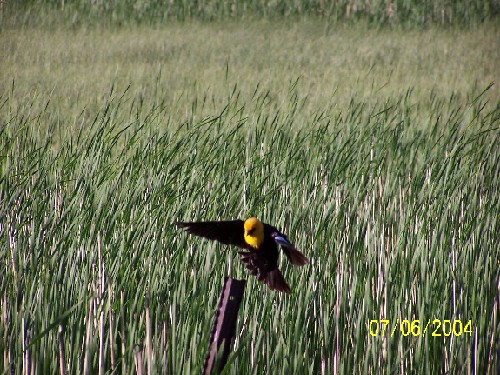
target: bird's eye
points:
(251, 231)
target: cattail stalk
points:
(62, 361)
(148, 341)
(88, 338)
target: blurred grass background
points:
(377, 12)
(76, 69)
(371, 140)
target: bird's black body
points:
(260, 242)
(265, 259)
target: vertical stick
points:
(111, 336)
(88, 338)
(101, 306)
(26, 350)
(60, 338)
(12, 247)
(23, 339)
(5, 325)
(6, 350)
(148, 340)
(29, 367)
(101, 342)
(225, 324)
(474, 354)
(100, 268)
(164, 344)
(138, 360)
(122, 320)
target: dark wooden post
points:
(225, 324)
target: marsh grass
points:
(175, 67)
(376, 151)
(396, 205)
(410, 13)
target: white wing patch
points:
(281, 240)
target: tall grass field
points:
(374, 144)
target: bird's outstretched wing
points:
(226, 232)
(295, 256)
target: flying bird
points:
(260, 241)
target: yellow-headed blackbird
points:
(260, 239)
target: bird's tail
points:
(276, 281)
(273, 279)
(295, 256)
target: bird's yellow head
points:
(254, 232)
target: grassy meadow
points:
(376, 149)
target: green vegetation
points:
(377, 12)
(376, 151)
